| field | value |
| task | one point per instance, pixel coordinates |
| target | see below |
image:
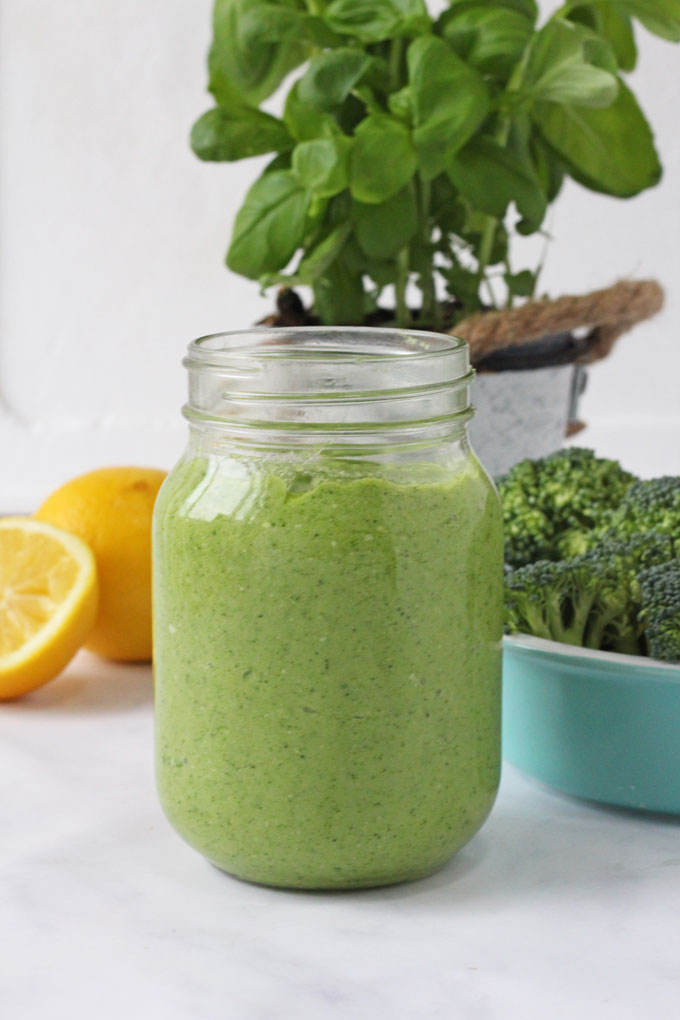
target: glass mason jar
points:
(328, 609)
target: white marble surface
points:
(556, 909)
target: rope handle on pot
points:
(607, 314)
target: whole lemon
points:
(111, 509)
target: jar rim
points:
(318, 378)
(363, 343)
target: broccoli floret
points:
(528, 531)
(618, 564)
(577, 541)
(649, 506)
(552, 505)
(660, 612)
(550, 600)
(592, 601)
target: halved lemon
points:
(48, 602)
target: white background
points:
(113, 235)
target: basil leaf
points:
(490, 178)
(462, 285)
(612, 26)
(224, 135)
(313, 265)
(317, 263)
(521, 284)
(446, 208)
(528, 8)
(599, 53)
(303, 121)
(280, 162)
(538, 160)
(400, 104)
(381, 271)
(383, 159)
(617, 28)
(366, 95)
(583, 85)
(245, 70)
(492, 40)
(270, 22)
(661, 17)
(339, 296)
(609, 150)
(550, 169)
(597, 49)
(269, 226)
(583, 14)
(384, 228)
(322, 164)
(330, 77)
(557, 70)
(372, 21)
(450, 101)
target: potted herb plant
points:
(413, 147)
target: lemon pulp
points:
(48, 602)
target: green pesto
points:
(327, 662)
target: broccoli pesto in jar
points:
(327, 634)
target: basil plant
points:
(412, 147)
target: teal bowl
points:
(592, 724)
